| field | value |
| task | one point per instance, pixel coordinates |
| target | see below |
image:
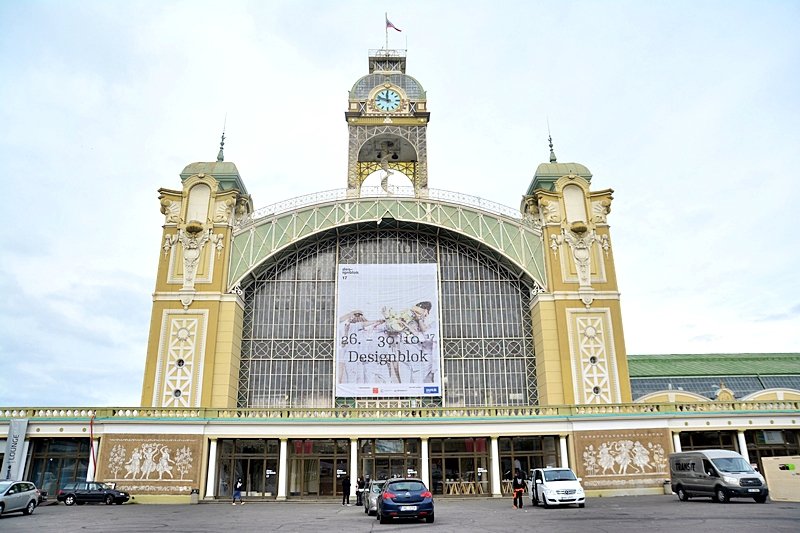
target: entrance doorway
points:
(255, 461)
(460, 466)
(316, 466)
(55, 462)
(389, 458)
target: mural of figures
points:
(623, 459)
(151, 463)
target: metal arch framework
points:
(417, 170)
(516, 240)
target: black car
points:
(81, 492)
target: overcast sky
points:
(688, 110)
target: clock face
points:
(387, 100)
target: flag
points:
(390, 25)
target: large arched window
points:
(289, 321)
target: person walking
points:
(346, 489)
(237, 491)
(518, 485)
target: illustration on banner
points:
(388, 331)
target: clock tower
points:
(387, 117)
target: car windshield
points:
(410, 486)
(732, 464)
(4, 485)
(377, 487)
(559, 475)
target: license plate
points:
(753, 490)
(408, 507)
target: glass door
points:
(327, 477)
(271, 478)
(254, 483)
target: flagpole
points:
(386, 29)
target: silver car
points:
(371, 492)
(18, 496)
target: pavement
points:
(627, 514)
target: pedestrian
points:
(360, 491)
(346, 489)
(237, 491)
(518, 485)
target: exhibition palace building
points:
(393, 329)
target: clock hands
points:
(386, 100)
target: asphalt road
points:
(651, 514)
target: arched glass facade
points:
(289, 321)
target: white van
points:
(556, 486)
(719, 474)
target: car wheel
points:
(682, 496)
(109, 499)
(429, 519)
(544, 502)
(382, 519)
(69, 500)
(760, 499)
(2, 508)
(366, 510)
(720, 495)
(29, 508)
(581, 505)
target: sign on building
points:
(388, 331)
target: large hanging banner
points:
(388, 332)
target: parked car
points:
(556, 486)
(81, 492)
(404, 498)
(718, 474)
(18, 496)
(371, 493)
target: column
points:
(353, 468)
(562, 442)
(211, 473)
(743, 445)
(424, 468)
(676, 441)
(495, 468)
(283, 470)
(90, 472)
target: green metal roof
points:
(548, 173)
(224, 172)
(714, 364)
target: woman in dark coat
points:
(346, 489)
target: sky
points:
(686, 109)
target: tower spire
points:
(221, 154)
(550, 140)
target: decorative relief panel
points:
(181, 354)
(154, 464)
(622, 459)
(581, 261)
(594, 366)
(201, 262)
